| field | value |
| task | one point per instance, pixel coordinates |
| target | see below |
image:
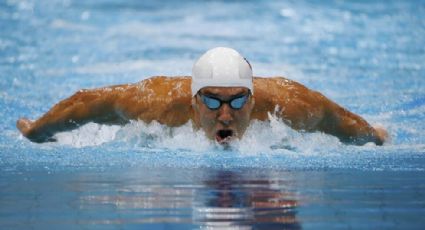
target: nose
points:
(225, 114)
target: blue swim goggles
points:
(215, 103)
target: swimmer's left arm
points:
(349, 127)
(305, 109)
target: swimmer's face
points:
(229, 120)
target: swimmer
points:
(221, 97)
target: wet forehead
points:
(224, 91)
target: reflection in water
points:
(219, 199)
(233, 201)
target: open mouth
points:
(223, 135)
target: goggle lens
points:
(215, 103)
(210, 102)
(238, 103)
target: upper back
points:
(168, 99)
(164, 99)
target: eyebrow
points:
(219, 96)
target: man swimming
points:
(222, 97)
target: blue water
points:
(368, 56)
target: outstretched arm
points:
(164, 99)
(97, 105)
(349, 127)
(305, 109)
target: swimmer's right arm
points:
(96, 105)
(164, 99)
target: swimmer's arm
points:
(349, 127)
(305, 109)
(96, 105)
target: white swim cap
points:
(222, 67)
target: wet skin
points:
(224, 123)
(168, 100)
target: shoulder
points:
(292, 100)
(164, 99)
(154, 92)
(262, 84)
(272, 89)
(282, 88)
(165, 86)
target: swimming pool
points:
(367, 56)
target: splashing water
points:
(260, 137)
(74, 47)
(367, 56)
(269, 144)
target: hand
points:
(24, 125)
(381, 133)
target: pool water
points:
(368, 56)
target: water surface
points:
(365, 55)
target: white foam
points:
(160, 136)
(274, 136)
(260, 138)
(88, 135)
